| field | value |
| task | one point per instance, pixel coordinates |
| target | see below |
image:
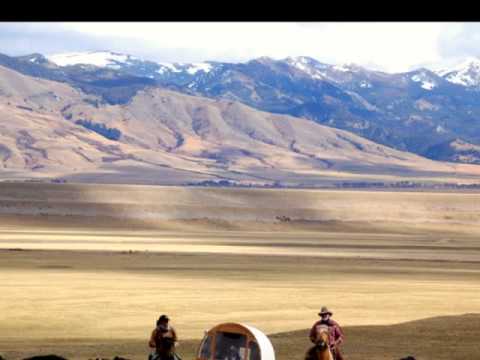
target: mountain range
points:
(425, 112)
(108, 117)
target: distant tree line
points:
(406, 184)
(342, 185)
(109, 133)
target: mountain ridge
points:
(50, 129)
(383, 107)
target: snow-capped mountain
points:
(53, 129)
(198, 75)
(411, 111)
(338, 74)
(191, 69)
(308, 65)
(466, 73)
(95, 58)
(192, 73)
(131, 64)
(425, 78)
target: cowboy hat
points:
(163, 318)
(325, 310)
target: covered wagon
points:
(233, 341)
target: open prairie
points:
(85, 270)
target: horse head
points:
(321, 349)
(322, 340)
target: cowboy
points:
(335, 333)
(163, 335)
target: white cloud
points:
(388, 46)
(460, 40)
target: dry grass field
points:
(91, 286)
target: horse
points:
(321, 349)
(166, 350)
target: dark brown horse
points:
(165, 350)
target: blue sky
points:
(385, 46)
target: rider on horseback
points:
(334, 331)
(163, 339)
